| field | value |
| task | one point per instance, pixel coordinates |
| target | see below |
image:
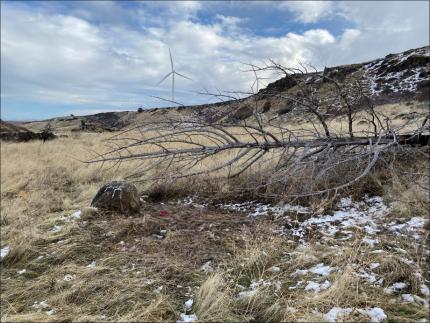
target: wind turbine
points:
(173, 72)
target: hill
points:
(217, 248)
(10, 131)
(394, 79)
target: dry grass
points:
(43, 184)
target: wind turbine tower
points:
(172, 73)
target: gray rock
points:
(117, 196)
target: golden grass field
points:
(110, 267)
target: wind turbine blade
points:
(186, 77)
(171, 59)
(163, 79)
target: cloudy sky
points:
(65, 57)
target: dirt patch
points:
(164, 233)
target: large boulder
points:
(117, 196)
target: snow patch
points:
(274, 269)
(247, 293)
(57, 228)
(424, 290)
(92, 264)
(4, 251)
(395, 288)
(370, 278)
(337, 312)
(39, 306)
(189, 304)
(322, 270)
(370, 242)
(376, 314)
(255, 209)
(407, 298)
(207, 268)
(253, 286)
(73, 217)
(188, 318)
(316, 287)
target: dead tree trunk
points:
(193, 146)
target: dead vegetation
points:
(317, 218)
(107, 267)
(341, 138)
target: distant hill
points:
(14, 132)
(9, 131)
(395, 78)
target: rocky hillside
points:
(396, 78)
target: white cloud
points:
(348, 37)
(384, 27)
(64, 59)
(309, 11)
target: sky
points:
(84, 57)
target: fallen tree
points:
(192, 146)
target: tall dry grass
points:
(44, 183)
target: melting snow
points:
(316, 287)
(274, 269)
(395, 288)
(51, 312)
(376, 314)
(189, 304)
(299, 272)
(409, 226)
(337, 312)
(188, 318)
(407, 298)
(4, 251)
(259, 209)
(349, 215)
(74, 216)
(424, 290)
(57, 228)
(322, 270)
(253, 286)
(395, 81)
(207, 268)
(370, 242)
(247, 293)
(371, 278)
(40, 305)
(92, 264)
(191, 201)
(299, 283)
